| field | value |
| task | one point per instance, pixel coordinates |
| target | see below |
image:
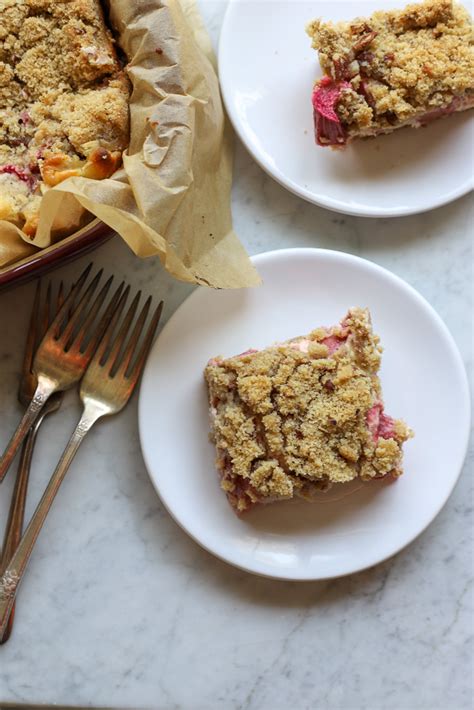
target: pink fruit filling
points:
(242, 488)
(380, 425)
(214, 361)
(333, 343)
(247, 352)
(456, 104)
(23, 174)
(364, 91)
(329, 130)
(25, 117)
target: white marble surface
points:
(120, 608)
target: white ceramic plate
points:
(267, 70)
(423, 379)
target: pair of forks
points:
(108, 358)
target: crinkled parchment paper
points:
(172, 195)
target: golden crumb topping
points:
(62, 93)
(399, 65)
(304, 412)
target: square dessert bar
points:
(400, 68)
(302, 415)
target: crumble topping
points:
(394, 68)
(303, 415)
(63, 101)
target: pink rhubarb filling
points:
(328, 127)
(333, 343)
(23, 174)
(457, 104)
(326, 95)
(380, 424)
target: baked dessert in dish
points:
(303, 415)
(63, 101)
(394, 69)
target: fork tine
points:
(106, 318)
(122, 367)
(67, 337)
(63, 311)
(119, 339)
(147, 343)
(31, 339)
(77, 285)
(82, 335)
(115, 312)
(59, 303)
(60, 299)
(46, 315)
(84, 274)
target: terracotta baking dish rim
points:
(87, 238)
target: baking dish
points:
(85, 239)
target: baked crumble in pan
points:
(63, 101)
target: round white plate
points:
(267, 69)
(424, 382)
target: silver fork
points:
(42, 314)
(64, 352)
(106, 388)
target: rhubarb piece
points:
(328, 127)
(394, 69)
(303, 415)
(63, 101)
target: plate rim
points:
(331, 204)
(296, 575)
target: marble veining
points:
(120, 608)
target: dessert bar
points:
(303, 415)
(394, 69)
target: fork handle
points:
(14, 571)
(16, 513)
(14, 526)
(44, 390)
